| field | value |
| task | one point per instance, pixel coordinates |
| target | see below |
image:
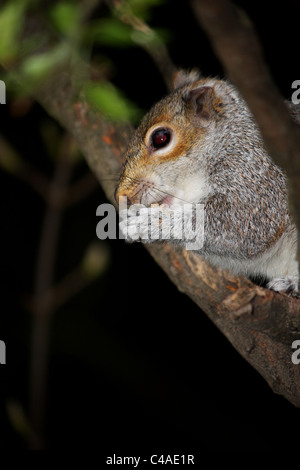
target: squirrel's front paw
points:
(286, 285)
(141, 225)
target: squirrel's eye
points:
(160, 138)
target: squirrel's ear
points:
(183, 77)
(202, 99)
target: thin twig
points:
(11, 162)
(41, 321)
(159, 54)
(81, 189)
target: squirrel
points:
(200, 144)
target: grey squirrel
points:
(200, 144)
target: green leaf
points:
(112, 32)
(141, 9)
(18, 418)
(65, 16)
(110, 101)
(10, 160)
(37, 67)
(96, 260)
(11, 22)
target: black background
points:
(135, 366)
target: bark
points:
(260, 324)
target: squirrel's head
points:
(163, 159)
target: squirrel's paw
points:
(139, 226)
(285, 285)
